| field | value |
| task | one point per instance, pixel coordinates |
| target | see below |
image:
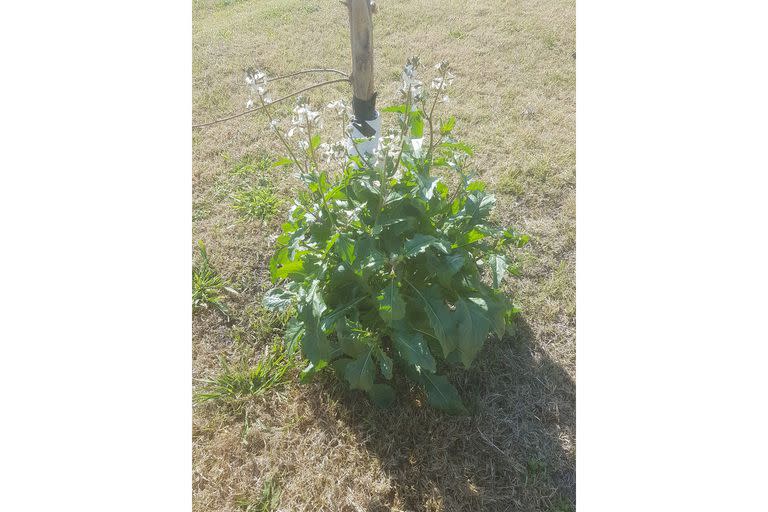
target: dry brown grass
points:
(327, 448)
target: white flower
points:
(440, 84)
(339, 107)
(254, 77)
(249, 103)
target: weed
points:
(510, 184)
(207, 285)
(259, 203)
(237, 382)
(267, 502)
(251, 165)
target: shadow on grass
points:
(515, 452)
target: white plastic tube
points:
(367, 146)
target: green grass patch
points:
(256, 203)
(237, 382)
(268, 501)
(250, 165)
(207, 285)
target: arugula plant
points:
(389, 258)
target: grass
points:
(268, 501)
(514, 100)
(235, 383)
(207, 285)
(258, 203)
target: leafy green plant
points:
(259, 203)
(390, 259)
(207, 285)
(234, 383)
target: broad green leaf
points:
(278, 299)
(367, 256)
(499, 309)
(360, 372)
(442, 395)
(315, 343)
(417, 125)
(291, 269)
(385, 363)
(345, 248)
(469, 237)
(348, 340)
(382, 395)
(498, 264)
(330, 318)
(427, 185)
(279, 258)
(440, 318)
(391, 303)
(411, 347)
(294, 330)
(445, 267)
(474, 323)
(419, 244)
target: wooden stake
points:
(361, 36)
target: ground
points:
(317, 446)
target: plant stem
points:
(276, 101)
(280, 136)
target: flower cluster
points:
(440, 84)
(304, 121)
(411, 84)
(257, 83)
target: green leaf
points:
(348, 341)
(458, 145)
(440, 318)
(315, 142)
(427, 185)
(445, 267)
(360, 372)
(282, 162)
(470, 237)
(330, 319)
(391, 303)
(442, 395)
(498, 264)
(446, 127)
(278, 299)
(385, 363)
(400, 109)
(291, 269)
(417, 125)
(294, 330)
(419, 244)
(474, 323)
(315, 344)
(412, 348)
(345, 248)
(367, 256)
(382, 395)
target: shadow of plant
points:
(515, 452)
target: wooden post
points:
(361, 36)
